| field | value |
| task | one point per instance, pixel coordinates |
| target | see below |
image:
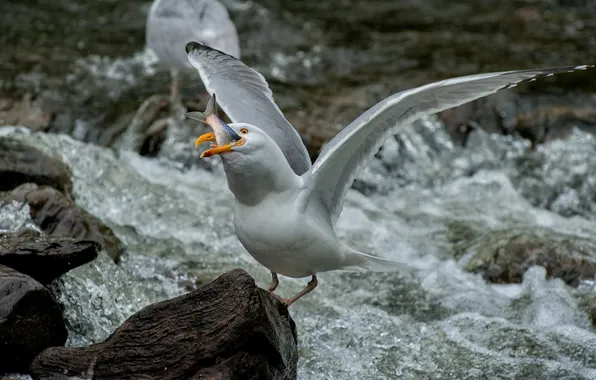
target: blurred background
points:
(82, 67)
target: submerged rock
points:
(504, 256)
(227, 329)
(59, 216)
(30, 320)
(21, 163)
(42, 257)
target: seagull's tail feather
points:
(358, 261)
(211, 109)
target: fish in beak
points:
(225, 138)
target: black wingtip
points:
(199, 46)
(193, 45)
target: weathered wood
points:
(21, 163)
(59, 216)
(30, 320)
(227, 329)
(42, 257)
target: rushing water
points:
(432, 320)
(423, 201)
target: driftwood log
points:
(42, 257)
(227, 329)
(30, 320)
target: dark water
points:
(327, 61)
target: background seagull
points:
(285, 209)
(172, 23)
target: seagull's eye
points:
(243, 131)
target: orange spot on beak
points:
(206, 137)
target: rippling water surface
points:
(432, 320)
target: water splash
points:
(432, 320)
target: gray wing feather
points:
(352, 149)
(245, 97)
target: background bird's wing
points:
(245, 96)
(352, 149)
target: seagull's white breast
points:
(284, 240)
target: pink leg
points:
(309, 288)
(175, 89)
(274, 282)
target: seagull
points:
(170, 23)
(286, 207)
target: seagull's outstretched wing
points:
(245, 96)
(351, 150)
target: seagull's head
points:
(253, 162)
(235, 141)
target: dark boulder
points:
(21, 163)
(30, 320)
(42, 257)
(58, 216)
(227, 329)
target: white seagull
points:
(172, 23)
(285, 209)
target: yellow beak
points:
(206, 137)
(215, 149)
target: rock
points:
(42, 257)
(549, 123)
(58, 216)
(137, 135)
(26, 112)
(30, 320)
(504, 257)
(586, 301)
(537, 120)
(20, 163)
(227, 329)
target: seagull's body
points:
(296, 241)
(285, 207)
(172, 23)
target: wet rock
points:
(58, 216)
(160, 129)
(548, 123)
(586, 301)
(536, 119)
(42, 257)
(139, 133)
(25, 112)
(20, 163)
(494, 114)
(505, 257)
(227, 329)
(30, 320)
